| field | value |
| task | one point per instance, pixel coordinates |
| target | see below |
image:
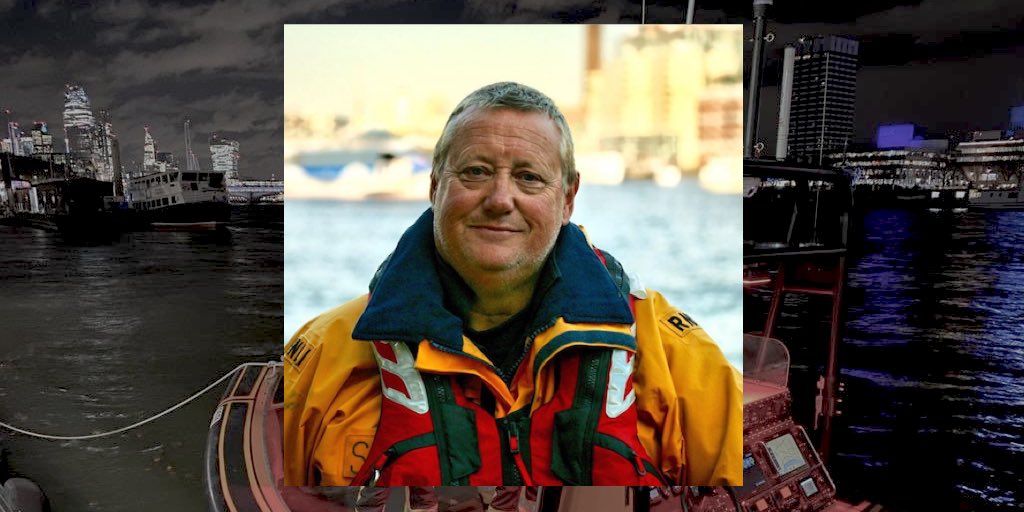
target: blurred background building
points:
(650, 102)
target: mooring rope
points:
(138, 423)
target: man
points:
(497, 346)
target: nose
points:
(501, 195)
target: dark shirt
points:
(505, 344)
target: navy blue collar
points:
(407, 299)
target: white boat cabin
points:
(162, 189)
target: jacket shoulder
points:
(334, 326)
(672, 322)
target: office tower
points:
(105, 147)
(824, 95)
(14, 138)
(79, 127)
(42, 141)
(148, 152)
(167, 157)
(224, 153)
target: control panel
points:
(781, 468)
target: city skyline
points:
(217, 63)
(156, 67)
(945, 66)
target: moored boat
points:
(997, 199)
(244, 451)
(179, 197)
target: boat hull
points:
(189, 213)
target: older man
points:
(498, 346)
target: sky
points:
(944, 64)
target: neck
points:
(494, 303)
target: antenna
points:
(191, 164)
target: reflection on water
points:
(681, 241)
(96, 337)
(933, 359)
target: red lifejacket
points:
(433, 431)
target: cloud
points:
(935, 20)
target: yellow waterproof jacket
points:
(688, 397)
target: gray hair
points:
(513, 96)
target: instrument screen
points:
(785, 454)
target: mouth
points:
(492, 230)
(496, 228)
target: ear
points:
(570, 200)
(433, 187)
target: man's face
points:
(499, 203)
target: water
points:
(933, 358)
(93, 338)
(683, 242)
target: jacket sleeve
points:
(690, 398)
(330, 394)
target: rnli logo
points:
(297, 352)
(679, 321)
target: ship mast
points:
(191, 162)
(756, 61)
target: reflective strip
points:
(403, 366)
(619, 399)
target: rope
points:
(139, 423)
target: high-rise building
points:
(42, 141)
(79, 127)
(167, 157)
(14, 138)
(224, 153)
(148, 152)
(105, 148)
(824, 95)
(27, 147)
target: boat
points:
(243, 465)
(796, 231)
(179, 197)
(22, 495)
(19, 494)
(997, 199)
(359, 174)
(796, 224)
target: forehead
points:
(483, 128)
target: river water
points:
(682, 241)
(96, 337)
(932, 358)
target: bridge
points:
(255, 191)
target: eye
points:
(474, 173)
(530, 180)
